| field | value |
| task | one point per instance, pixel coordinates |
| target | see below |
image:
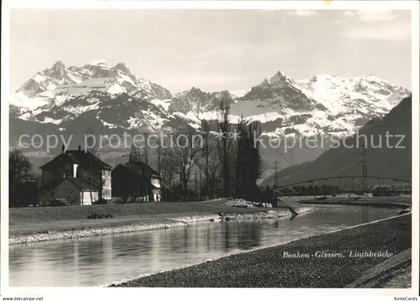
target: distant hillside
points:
(387, 162)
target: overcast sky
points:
(215, 49)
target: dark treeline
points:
(23, 186)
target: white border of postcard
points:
(205, 293)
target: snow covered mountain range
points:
(323, 104)
(111, 98)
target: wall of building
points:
(68, 192)
(157, 197)
(87, 197)
(106, 185)
(45, 197)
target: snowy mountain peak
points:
(366, 96)
(58, 70)
(197, 101)
(279, 79)
(193, 90)
(99, 63)
(371, 77)
(53, 85)
(278, 93)
(122, 67)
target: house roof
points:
(76, 157)
(140, 167)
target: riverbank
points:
(394, 272)
(385, 201)
(330, 260)
(52, 223)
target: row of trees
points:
(225, 163)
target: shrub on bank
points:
(100, 202)
(99, 212)
(57, 203)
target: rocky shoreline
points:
(174, 222)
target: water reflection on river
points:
(100, 260)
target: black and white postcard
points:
(209, 144)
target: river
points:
(99, 260)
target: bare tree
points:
(210, 162)
(225, 142)
(167, 172)
(214, 171)
(159, 157)
(185, 154)
(206, 152)
(146, 148)
(248, 161)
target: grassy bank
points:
(268, 267)
(386, 201)
(47, 219)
